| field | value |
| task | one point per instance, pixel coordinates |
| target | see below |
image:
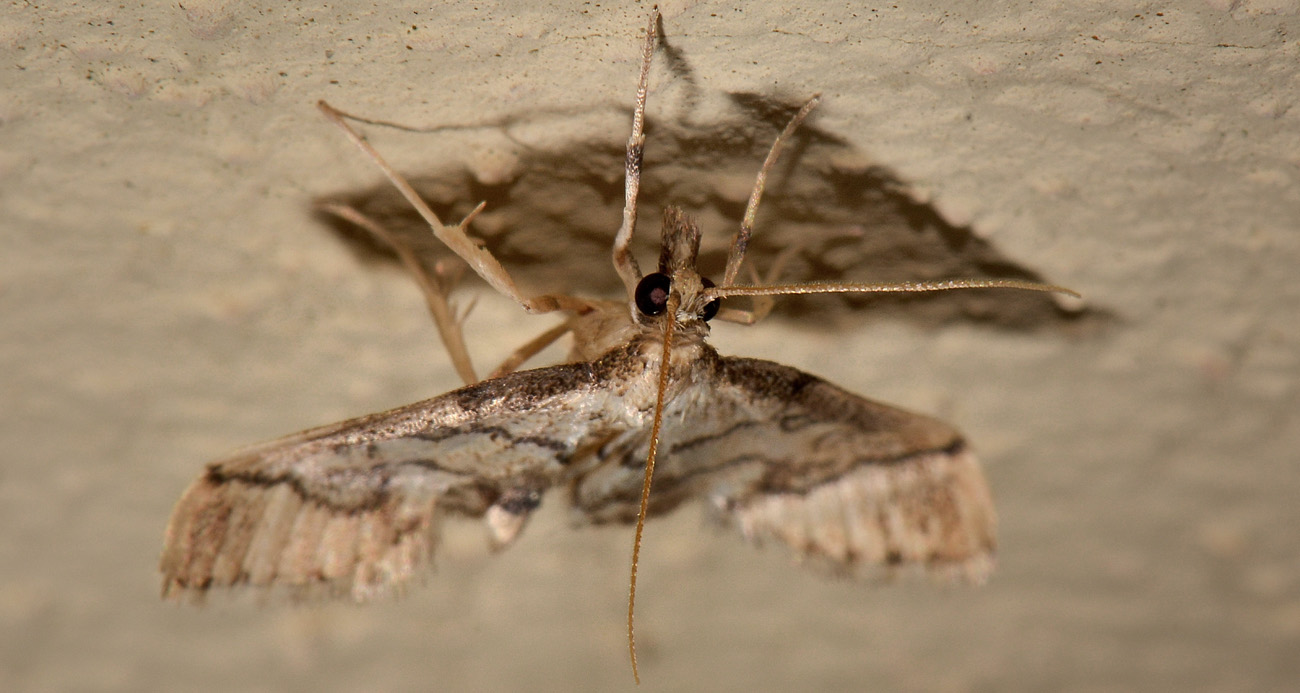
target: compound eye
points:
(652, 294)
(712, 308)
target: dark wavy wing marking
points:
(841, 479)
(353, 508)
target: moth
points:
(353, 508)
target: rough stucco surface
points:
(166, 294)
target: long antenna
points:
(899, 287)
(665, 369)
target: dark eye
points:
(652, 294)
(711, 309)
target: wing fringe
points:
(934, 510)
(227, 533)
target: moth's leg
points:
(532, 348)
(762, 305)
(624, 263)
(435, 287)
(454, 237)
(740, 242)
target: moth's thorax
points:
(646, 351)
(606, 327)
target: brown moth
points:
(353, 508)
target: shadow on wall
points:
(551, 223)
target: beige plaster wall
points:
(166, 294)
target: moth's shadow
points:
(552, 222)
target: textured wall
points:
(166, 294)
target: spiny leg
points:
(624, 263)
(532, 348)
(454, 237)
(435, 288)
(740, 242)
(762, 305)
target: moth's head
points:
(677, 274)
